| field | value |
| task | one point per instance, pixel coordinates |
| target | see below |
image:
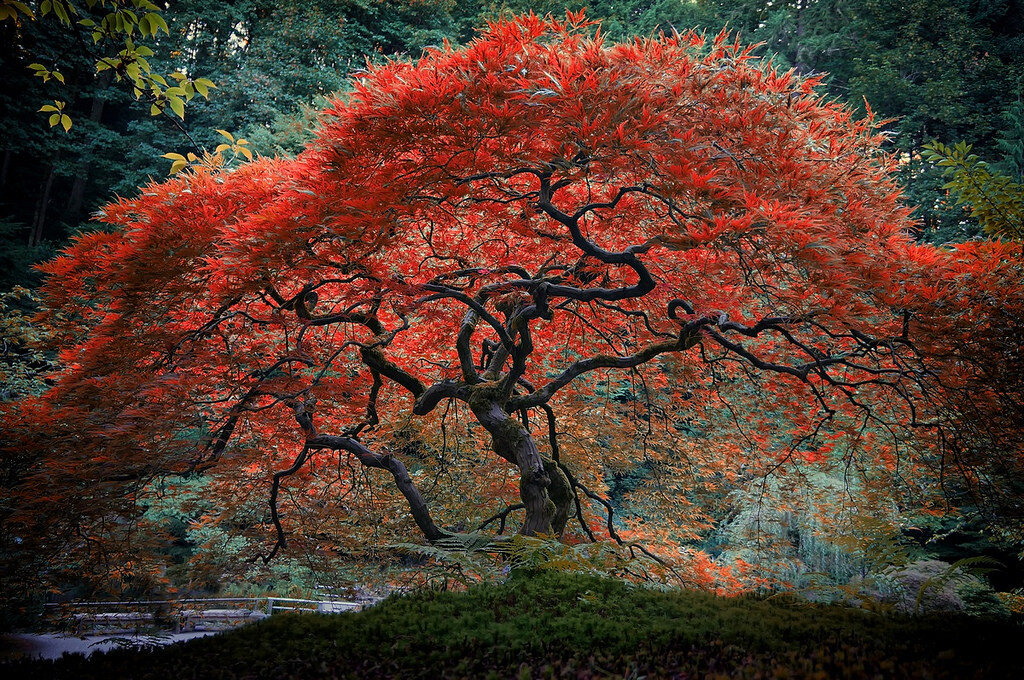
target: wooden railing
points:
(217, 613)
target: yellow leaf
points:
(173, 156)
(245, 152)
(227, 134)
(157, 21)
(66, 122)
(203, 86)
(177, 106)
(177, 166)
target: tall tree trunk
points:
(35, 237)
(543, 487)
(800, 65)
(4, 169)
(77, 195)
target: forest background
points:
(946, 70)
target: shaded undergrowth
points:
(560, 626)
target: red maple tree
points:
(504, 274)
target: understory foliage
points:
(995, 199)
(554, 626)
(501, 280)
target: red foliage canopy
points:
(658, 255)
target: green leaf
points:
(61, 11)
(54, 119)
(14, 7)
(177, 106)
(154, 110)
(157, 22)
(66, 122)
(202, 86)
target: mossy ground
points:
(551, 626)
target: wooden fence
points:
(215, 613)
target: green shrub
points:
(547, 625)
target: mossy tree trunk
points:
(543, 487)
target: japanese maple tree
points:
(503, 274)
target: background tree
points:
(477, 256)
(940, 70)
(259, 53)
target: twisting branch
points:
(275, 488)
(417, 504)
(502, 516)
(475, 305)
(462, 346)
(578, 368)
(374, 358)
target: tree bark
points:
(543, 487)
(77, 196)
(35, 236)
(417, 504)
(6, 166)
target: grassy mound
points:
(557, 626)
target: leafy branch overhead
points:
(239, 148)
(107, 31)
(995, 200)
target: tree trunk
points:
(77, 195)
(5, 168)
(35, 236)
(543, 488)
(799, 64)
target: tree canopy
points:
(502, 274)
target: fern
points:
(967, 568)
(488, 557)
